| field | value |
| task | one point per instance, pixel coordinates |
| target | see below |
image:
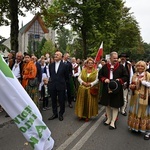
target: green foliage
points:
(39, 48)
(29, 50)
(146, 55)
(76, 13)
(95, 21)
(128, 30)
(75, 48)
(48, 47)
(64, 38)
(38, 52)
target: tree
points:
(10, 9)
(146, 55)
(76, 13)
(48, 47)
(127, 31)
(38, 52)
(13, 5)
(63, 39)
(86, 17)
(95, 21)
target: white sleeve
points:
(131, 74)
(92, 83)
(146, 83)
(78, 73)
(79, 79)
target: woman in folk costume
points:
(29, 71)
(112, 72)
(139, 110)
(87, 102)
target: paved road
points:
(72, 134)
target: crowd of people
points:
(115, 83)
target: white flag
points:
(17, 103)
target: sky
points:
(140, 9)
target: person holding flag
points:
(24, 112)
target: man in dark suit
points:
(58, 78)
(69, 84)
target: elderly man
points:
(112, 71)
(18, 65)
(58, 77)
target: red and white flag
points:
(99, 53)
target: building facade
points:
(33, 31)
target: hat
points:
(114, 86)
(123, 55)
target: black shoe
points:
(53, 117)
(112, 128)
(134, 131)
(146, 137)
(70, 105)
(61, 118)
(124, 114)
(105, 123)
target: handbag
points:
(33, 82)
(94, 91)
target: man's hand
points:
(107, 81)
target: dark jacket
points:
(43, 91)
(39, 72)
(113, 100)
(58, 80)
(69, 66)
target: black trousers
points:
(69, 94)
(76, 85)
(58, 95)
(45, 102)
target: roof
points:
(37, 17)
